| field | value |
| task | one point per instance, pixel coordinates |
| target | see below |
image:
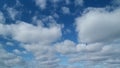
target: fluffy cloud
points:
(36, 39)
(99, 25)
(99, 29)
(28, 33)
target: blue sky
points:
(59, 33)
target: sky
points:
(59, 33)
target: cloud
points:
(41, 3)
(65, 47)
(44, 55)
(55, 1)
(67, 1)
(79, 2)
(65, 10)
(28, 33)
(12, 13)
(116, 2)
(9, 44)
(2, 18)
(105, 54)
(98, 33)
(89, 48)
(98, 25)
(36, 39)
(8, 59)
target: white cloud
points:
(89, 48)
(35, 39)
(98, 25)
(45, 55)
(104, 54)
(99, 29)
(65, 47)
(28, 33)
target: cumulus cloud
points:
(98, 33)
(35, 39)
(98, 25)
(28, 33)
